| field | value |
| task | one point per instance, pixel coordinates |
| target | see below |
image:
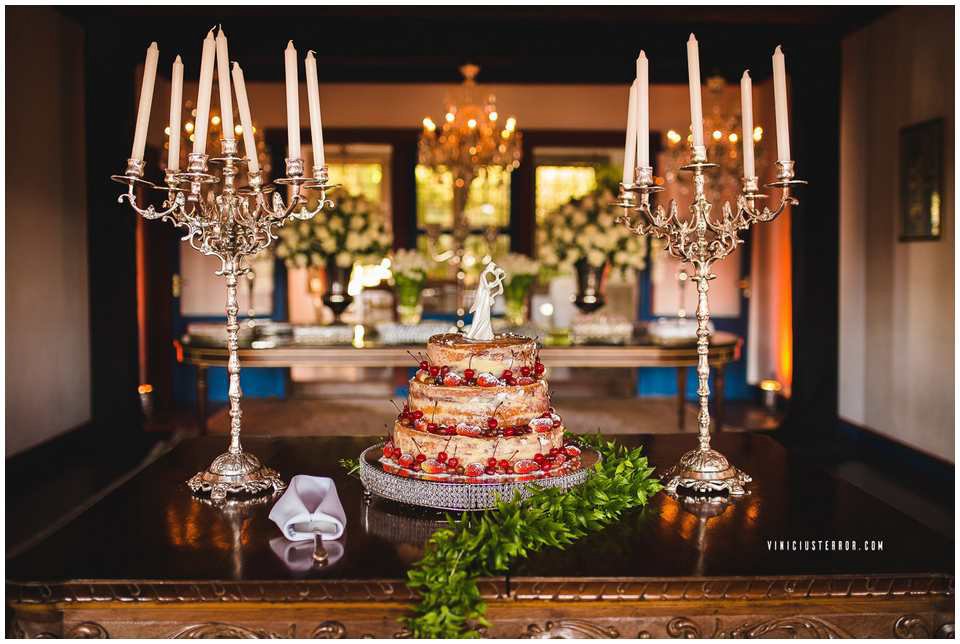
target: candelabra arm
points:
(173, 204)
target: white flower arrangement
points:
(517, 264)
(354, 230)
(410, 263)
(585, 228)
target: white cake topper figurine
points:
(490, 286)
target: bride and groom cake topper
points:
(489, 287)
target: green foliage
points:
(352, 465)
(481, 544)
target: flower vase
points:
(407, 291)
(590, 286)
(516, 294)
(335, 297)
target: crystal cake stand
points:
(459, 496)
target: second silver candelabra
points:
(230, 223)
(701, 240)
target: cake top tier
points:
(505, 351)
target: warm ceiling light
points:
(757, 133)
(166, 130)
(770, 385)
(717, 135)
(238, 129)
(191, 138)
(215, 119)
(494, 116)
(673, 136)
(733, 137)
(511, 124)
(428, 124)
(188, 126)
(472, 123)
(449, 117)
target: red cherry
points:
(489, 470)
(460, 470)
(442, 457)
(491, 462)
(509, 431)
(538, 368)
(524, 371)
(525, 380)
(406, 460)
(474, 469)
(388, 450)
(469, 374)
(444, 370)
(572, 451)
(504, 464)
(452, 462)
(506, 374)
(556, 423)
(424, 365)
(538, 458)
(525, 466)
(511, 381)
(434, 371)
(545, 466)
(432, 427)
(421, 458)
(492, 423)
(417, 415)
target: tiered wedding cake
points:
(479, 411)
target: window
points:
(487, 212)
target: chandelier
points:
(214, 135)
(471, 135)
(722, 132)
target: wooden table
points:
(149, 561)
(724, 348)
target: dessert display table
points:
(148, 560)
(641, 352)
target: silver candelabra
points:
(230, 223)
(701, 240)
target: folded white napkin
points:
(297, 556)
(308, 507)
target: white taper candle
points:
(293, 102)
(630, 147)
(223, 79)
(313, 98)
(176, 107)
(246, 121)
(746, 121)
(780, 100)
(696, 105)
(203, 94)
(146, 101)
(643, 107)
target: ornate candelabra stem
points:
(233, 362)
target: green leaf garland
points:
(485, 543)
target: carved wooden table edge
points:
(902, 606)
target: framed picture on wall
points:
(921, 181)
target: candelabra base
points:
(234, 475)
(704, 471)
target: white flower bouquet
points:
(584, 229)
(520, 271)
(354, 230)
(409, 269)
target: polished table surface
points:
(149, 540)
(150, 528)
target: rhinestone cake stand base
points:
(459, 496)
(236, 473)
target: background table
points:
(148, 560)
(724, 348)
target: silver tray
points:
(460, 496)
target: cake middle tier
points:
(509, 404)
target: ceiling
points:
(511, 44)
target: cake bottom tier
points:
(534, 453)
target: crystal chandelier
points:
(471, 135)
(722, 131)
